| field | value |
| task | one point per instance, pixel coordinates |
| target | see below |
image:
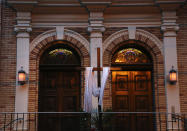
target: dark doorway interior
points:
(59, 89)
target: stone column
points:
(169, 28)
(96, 28)
(23, 39)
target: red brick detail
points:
(182, 56)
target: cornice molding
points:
(22, 5)
(171, 5)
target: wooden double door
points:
(132, 92)
(59, 91)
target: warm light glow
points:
(173, 76)
(60, 52)
(21, 77)
(130, 56)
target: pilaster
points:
(23, 39)
(95, 28)
(170, 28)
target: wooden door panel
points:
(141, 103)
(122, 123)
(142, 123)
(142, 91)
(63, 86)
(122, 103)
(70, 103)
(51, 103)
(122, 82)
(71, 80)
(50, 79)
(132, 93)
(59, 92)
(141, 83)
(120, 91)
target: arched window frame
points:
(62, 55)
(130, 55)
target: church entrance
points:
(59, 88)
(132, 89)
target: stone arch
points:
(140, 35)
(50, 36)
(154, 46)
(38, 46)
(114, 40)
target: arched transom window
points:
(60, 55)
(130, 56)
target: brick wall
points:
(182, 56)
(7, 60)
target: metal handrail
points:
(10, 123)
(44, 113)
(165, 120)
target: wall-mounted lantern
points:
(172, 76)
(21, 76)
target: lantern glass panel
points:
(173, 76)
(130, 56)
(22, 77)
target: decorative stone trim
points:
(18, 29)
(151, 38)
(96, 29)
(52, 33)
(41, 37)
(78, 37)
(141, 35)
(113, 37)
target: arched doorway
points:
(59, 87)
(132, 87)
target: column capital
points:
(170, 30)
(96, 22)
(26, 29)
(169, 26)
(23, 27)
(96, 29)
